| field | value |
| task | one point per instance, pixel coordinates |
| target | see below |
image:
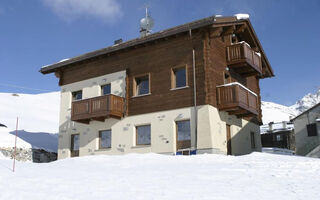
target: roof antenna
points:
(146, 24)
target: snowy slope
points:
(38, 120)
(37, 113)
(272, 112)
(159, 177)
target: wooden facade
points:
(215, 55)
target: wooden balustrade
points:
(244, 60)
(97, 108)
(237, 100)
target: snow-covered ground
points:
(153, 176)
(38, 120)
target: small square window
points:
(143, 135)
(179, 77)
(278, 138)
(105, 139)
(141, 85)
(106, 89)
(77, 95)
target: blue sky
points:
(34, 33)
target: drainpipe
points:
(194, 90)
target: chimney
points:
(119, 41)
(284, 124)
(270, 126)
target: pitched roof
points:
(212, 20)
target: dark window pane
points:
(143, 135)
(184, 130)
(105, 139)
(312, 129)
(180, 75)
(253, 141)
(106, 89)
(75, 142)
(142, 85)
(77, 95)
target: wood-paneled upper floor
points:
(220, 57)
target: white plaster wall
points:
(211, 133)
(90, 88)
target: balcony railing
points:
(97, 108)
(237, 100)
(243, 60)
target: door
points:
(229, 151)
(75, 144)
(183, 135)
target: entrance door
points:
(229, 151)
(75, 144)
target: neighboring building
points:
(194, 87)
(307, 130)
(279, 135)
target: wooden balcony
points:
(97, 108)
(243, 60)
(237, 100)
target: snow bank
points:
(152, 176)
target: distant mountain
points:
(306, 102)
(272, 112)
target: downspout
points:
(194, 91)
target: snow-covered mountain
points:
(306, 102)
(272, 112)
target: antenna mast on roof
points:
(146, 24)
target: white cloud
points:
(70, 10)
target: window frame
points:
(174, 80)
(135, 84)
(73, 95)
(101, 89)
(100, 134)
(136, 133)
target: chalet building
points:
(307, 132)
(193, 88)
(279, 135)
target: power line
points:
(22, 87)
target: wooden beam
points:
(216, 32)
(228, 30)
(240, 28)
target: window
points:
(183, 129)
(278, 138)
(77, 95)
(179, 77)
(253, 141)
(106, 89)
(143, 135)
(312, 130)
(141, 85)
(75, 145)
(105, 139)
